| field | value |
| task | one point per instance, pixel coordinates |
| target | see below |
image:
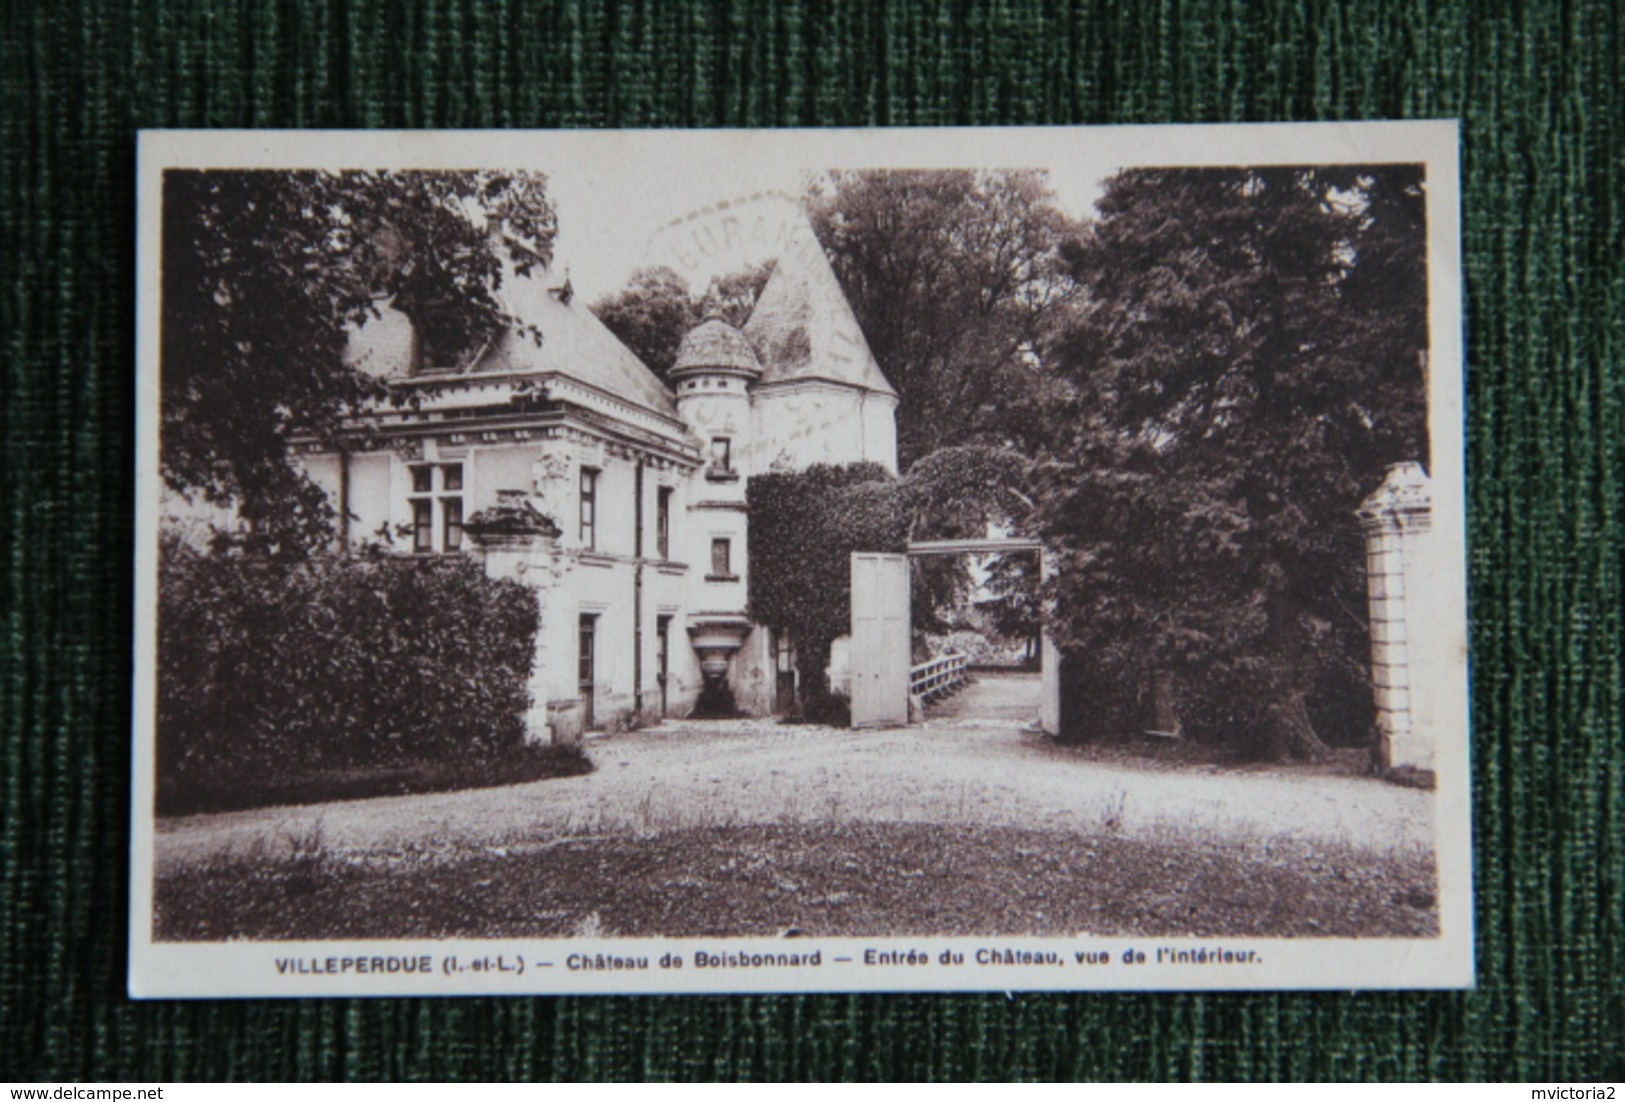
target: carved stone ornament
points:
(715, 639)
(1405, 499)
(512, 519)
(550, 479)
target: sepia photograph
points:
(843, 560)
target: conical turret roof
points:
(803, 327)
(714, 344)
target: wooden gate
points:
(880, 640)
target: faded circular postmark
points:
(728, 235)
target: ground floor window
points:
(586, 672)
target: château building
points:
(620, 500)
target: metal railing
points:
(939, 676)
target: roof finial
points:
(564, 292)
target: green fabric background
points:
(1539, 87)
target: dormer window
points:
(441, 341)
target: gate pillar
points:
(1049, 660)
(514, 540)
(1398, 523)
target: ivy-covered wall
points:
(804, 526)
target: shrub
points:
(825, 709)
(1096, 702)
(978, 648)
(1108, 694)
(271, 669)
(715, 702)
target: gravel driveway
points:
(953, 769)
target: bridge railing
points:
(938, 676)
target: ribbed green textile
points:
(1539, 87)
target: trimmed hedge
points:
(271, 670)
(804, 525)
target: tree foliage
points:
(957, 280)
(265, 273)
(275, 668)
(1012, 603)
(1248, 358)
(959, 492)
(656, 308)
(650, 316)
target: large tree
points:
(1249, 356)
(957, 280)
(264, 275)
(650, 315)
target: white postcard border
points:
(250, 969)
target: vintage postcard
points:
(883, 560)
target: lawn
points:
(815, 878)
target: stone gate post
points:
(1049, 659)
(514, 540)
(1398, 523)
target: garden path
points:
(1010, 698)
(956, 771)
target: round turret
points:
(712, 353)
(715, 369)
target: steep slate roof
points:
(574, 343)
(715, 343)
(803, 327)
